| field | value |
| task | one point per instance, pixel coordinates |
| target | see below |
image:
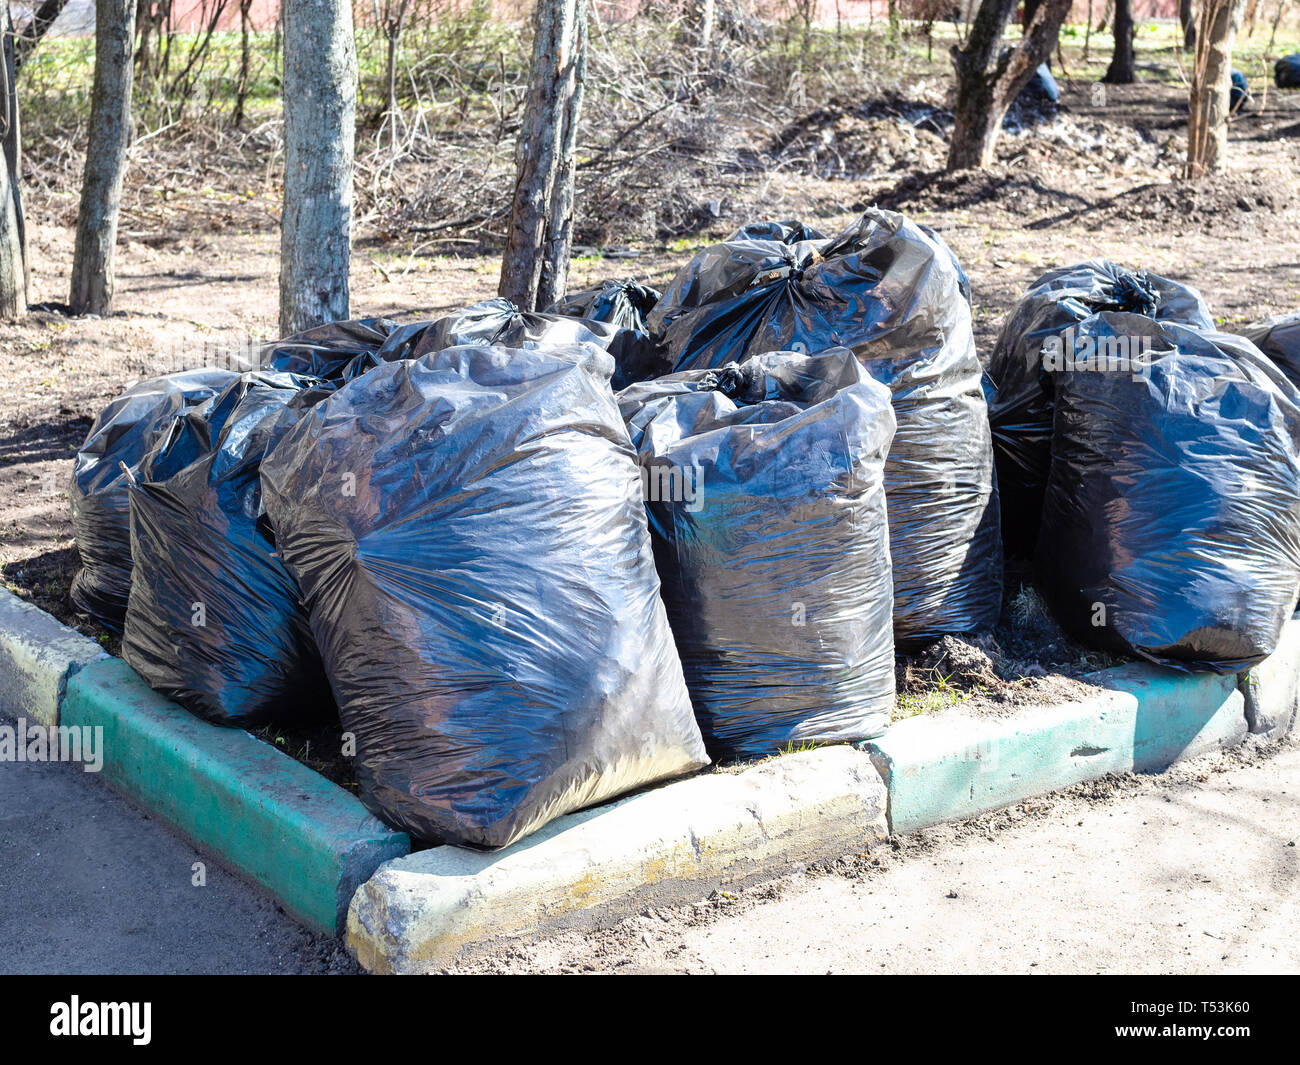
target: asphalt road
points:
(90, 884)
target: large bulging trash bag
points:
(326, 351)
(764, 483)
(1278, 338)
(1171, 521)
(893, 293)
(1286, 71)
(122, 435)
(214, 620)
(622, 303)
(1020, 407)
(469, 535)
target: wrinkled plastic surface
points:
(622, 303)
(214, 619)
(468, 532)
(893, 293)
(1279, 338)
(123, 434)
(335, 352)
(1286, 72)
(1171, 521)
(765, 490)
(1020, 404)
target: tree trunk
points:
(110, 135)
(320, 101)
(13, 230)
(702, 20)
(535, 267)
(1120, 71)
(1188, 23)
(987, 82)
(1211, 84)
(42, 19)
(245, 65)
(393, 31)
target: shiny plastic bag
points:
(893, 293)
(1171, 520)
(335, 352)
(214, 620)
(1278, 338)
(622, 303)
(122, 435)
(1286, 72)
(1020, 405)
(468, 532)
(764, 483)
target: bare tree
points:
(320, 105)
(535, 267)
(1122, 60)
(1211, 85)
(42, 19)
(989, 77)
(701, 22)
(394, 21)
(13, 230)
(110, 135)
(1188, 22)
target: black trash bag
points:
(1171, 521)
(1286, 72)
(1278, 338)
(214, 620)
(499, 322)
(622, 303)
(1239, 94)
(1020, 406)
(891, 292)
(123, 434)
(328, 350)
(1041, 88)
(764, 483)
(486, 601)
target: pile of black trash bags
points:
(530, 561)
(1150, 466)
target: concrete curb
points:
(951, 767)
(675, 842)
(305, 840)
(1272, 688)
(37, 656)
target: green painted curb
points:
(952, 766)
(305, 840)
